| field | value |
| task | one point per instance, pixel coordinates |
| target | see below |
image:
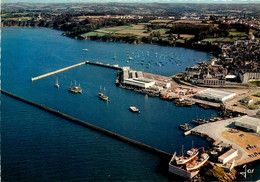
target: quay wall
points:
(93, 127)
(57, 71)
(104, 65)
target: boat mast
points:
(182, 150)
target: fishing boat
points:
(134, 109)
(196, 164)
(57, 84)
(185, 127)
(181, 160)
(102, 95)
(76, 89)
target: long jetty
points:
(57, 71)
(104, 65)
(93, 127)
(75, 65)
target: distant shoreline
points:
(188, 46)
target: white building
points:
(249, 123)
(215, 95)
(229, 155)
(135, 78)
(139, 82)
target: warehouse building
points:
(229, 155)
(140, 83)
(249, 123)
(215, 95)
(135, 79)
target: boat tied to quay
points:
(195, 164)
(183, 159)
(185, 127)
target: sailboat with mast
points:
(76, 89)
(57, 84)
(102, 95)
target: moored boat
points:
(196, 164)
(57, 84)
(185, 127)
(134, 109)
(181, 160)
(76, 89)
(103, 96)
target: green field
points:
(180, 41)
(162, 31)
(107, 30)
(238, 34)
(223, 39)
(90, 34)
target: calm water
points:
(28, 52)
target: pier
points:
(104, 65)
(93, 127)
(75, 65)
(57, 71)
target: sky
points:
(132, 1)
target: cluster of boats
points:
(185, 127)
(200, 121)
(192, 160)
(141, 91)
(183, 102)
(76, 89)
(172, 59)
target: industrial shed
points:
(249, 123)
(229, 155)
(215, 95)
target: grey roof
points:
(214, 93)
(249, 120)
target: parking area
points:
(248, 141)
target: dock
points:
(57, 71)
(104, 65)
(76, 65)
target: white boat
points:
(57, 84)
(85, 49)
(102, 95)
(187, 157)
(134, 109)
(196, 164)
